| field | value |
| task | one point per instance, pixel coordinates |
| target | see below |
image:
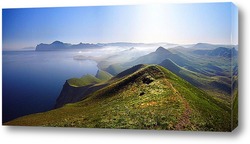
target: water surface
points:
(33, 80)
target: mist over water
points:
(33, 80)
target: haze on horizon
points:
(173, 23)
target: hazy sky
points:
(173, 23)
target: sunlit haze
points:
(173, 23)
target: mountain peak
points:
(155, 57)
(57, 42)
(204, 46)
(162, 50)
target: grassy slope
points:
(83, 81)
(168, 102)
(192, 77)
(102, 75)
(235, 110)
(207, 65)
(114, 69)
(77, 88)
(216, 112)
(202, 81)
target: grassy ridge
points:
(114, 69)
(103, 75)
(209, 84)
(152, 97)
(235, 109)
(83, 81)
(207, 111)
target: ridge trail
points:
(184, 120)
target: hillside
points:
(204, 46)
(210, 74)
(143, 97)
(103, 75)
(83, 81)
(213, 85)
(207, 46)
(114, 69)
(219, 52)
(70, 94)
(157, 57)
(75, 89)
(211, 68)
(213, 62)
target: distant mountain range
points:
(211, 46)
(220, 51)
(58, 45)
(178, 88)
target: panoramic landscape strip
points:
(161, 67)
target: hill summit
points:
(162, 50)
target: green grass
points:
(208, 113)
(206, 65)
(103, 75)
(83, 81)
(216, 86)
(235, 109)
(114, 69)
(166, 102)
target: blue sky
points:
(173, 23)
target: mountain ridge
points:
(157, 57)
(149, 97)
(58, 45)
(219, 51)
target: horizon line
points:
(27, 48)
